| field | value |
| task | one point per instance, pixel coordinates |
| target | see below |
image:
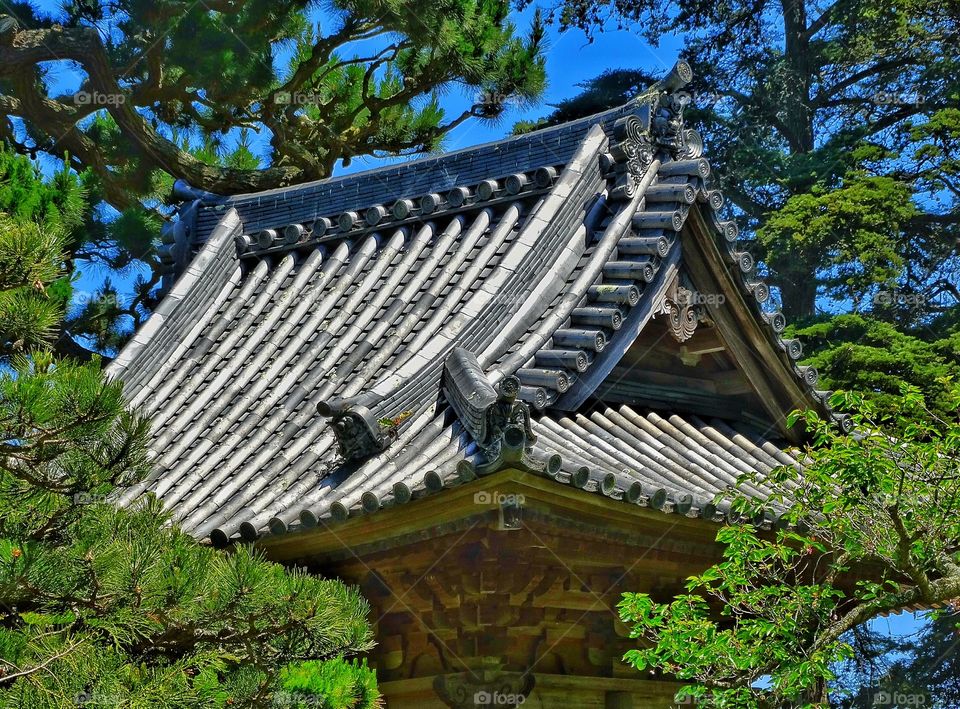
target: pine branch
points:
(36, 668)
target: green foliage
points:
(58, 203)
(331, 685)
(363, 80)
(31, 255)
(108, 606)
(43, 221)
(853, 232)
(124, 605)
(48, 219)
(859, 353)
(67, 434)
(869, 525)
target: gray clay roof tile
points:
(246, 346)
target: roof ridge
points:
(186, 192)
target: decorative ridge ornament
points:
(666, 126)
(632, 153)
(176, 238)
(495, 418)
(633, 146)
(359, 435)
(682, 307)
(468, 392)
(183, 191)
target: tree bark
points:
(798, 290)
(26, 48)
(798, 295)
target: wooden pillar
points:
(618, 700)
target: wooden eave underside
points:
(745, 337)
(594, 516)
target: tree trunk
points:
(798, 287)
(798, 114)
(798, 295)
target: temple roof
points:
(333, 348)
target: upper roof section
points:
(426, 183)
(336, 207)
(339, 346)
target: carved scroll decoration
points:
(633, 147)
(632, 152)
(681, 305)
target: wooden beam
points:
(731, 382)
(746, 337)
(455, 508)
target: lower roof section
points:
(669, 462)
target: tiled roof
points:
(295, 369)
(433, 174)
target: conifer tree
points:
(865, 354)
(107, 606)
(833, 128)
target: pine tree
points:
(107, 606)
(359, 78)
(833, 126)
(864, 354)
(134, 94)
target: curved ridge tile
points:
(194, 292)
